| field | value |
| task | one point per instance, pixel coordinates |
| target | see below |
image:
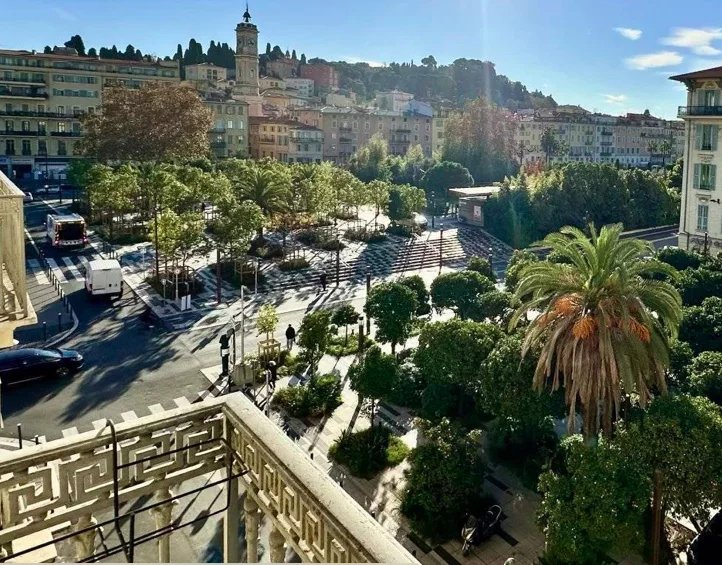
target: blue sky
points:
(612, 56)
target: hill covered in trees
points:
(456, 83)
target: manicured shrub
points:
(368, 452)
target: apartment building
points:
(229, 135)
(394, 100)
(346, 130)
(284, 68)
(265, 83)
(303, 86)
(286, 140)
(206, 73)
(634, 140)
(325, 77)
(438, 129)
(700, 224)
(43, 96)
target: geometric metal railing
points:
(70, 479)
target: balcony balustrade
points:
(66, 133)
(143, 465)
(23, 80)
(31, 114)
(20, 133)
(683, 111)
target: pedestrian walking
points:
(290, 337)
(323, 282)
(272, 375)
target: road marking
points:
(73, 269)
(84, 263)
(156, 409)
(70, 432)
(182, 402)
(56, 270)
(129, 416)
(38, 272)
(99, 424)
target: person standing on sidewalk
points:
(323, 281)
(272, 375)
(290, 337)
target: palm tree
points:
(603, 321)
(269, 190)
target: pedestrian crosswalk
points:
(65, 269)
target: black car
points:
(19, 365)
(706, 548)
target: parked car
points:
(706, 548)
(27, 197)
(20, 365)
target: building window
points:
(704, 176)
(61, 109)
(702, 217)
(26, 125)
(708, 97)
(9, 125)
(10, 147)
(61, 127)
(229, 124)
(62, 150)
(26, 147)
(43, 147)
(706, 137)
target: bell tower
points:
(246, 57)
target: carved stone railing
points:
(15, 307)
(71, 479)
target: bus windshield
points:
(71, 230)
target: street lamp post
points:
(441, 247)
(491, 262)
(368, 291)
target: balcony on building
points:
(266, 140)
(18, 80)
(22, 91)
(84, 494)
(15, 307)
(218, 130)
(606, 143)
(345, 128)
(20, 133)
(685, 111)
(218, 144)
(607, 132)
(65, 133)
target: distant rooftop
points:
(72, 55)
(713, 72)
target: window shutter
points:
(697, 168)
(698, 131)
(715, 132)
(712, 175)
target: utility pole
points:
(657, 518)
(218, 275)
(441, 247)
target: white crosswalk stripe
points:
(129, 416)
(70, 432)
(57, 271)
(38, 272)
(99, 424)
(77, 275)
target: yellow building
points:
(205, 73)
(229, 135)
(43, 96)
(286, 140)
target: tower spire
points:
(247, 15)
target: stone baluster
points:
(250, 508)
(163, 516)
(85, 541)
(231, 550)
(278, 550)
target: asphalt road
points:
(128, 366)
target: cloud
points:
(696, 39)
(64, 14)
(360, 60)
(652, 60)
(629, 33)
(614, 98)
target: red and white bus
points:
(68, 230)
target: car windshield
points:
(50, 353)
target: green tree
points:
(603, 325)
(267, 320)
(596, 506)
(680, 435)
(680, 259)
(481, 266)
(550, 145)
(314, 334)
(494, 305)
(370, 162)
(518, 262)
(179, 235)
(418, 286)
(268, 188)
(439, 179)
(443, 480)
(701, 326)
(111, 192)
(392, 307)
(405, 201)
(705, 376)
(680, 361)
(235, 226)
(344, 316)
(459, 291)
(374, 377)
(450, 354)
(696, 285)
(76, 42)
(378, 195)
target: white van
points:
(103, 277)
